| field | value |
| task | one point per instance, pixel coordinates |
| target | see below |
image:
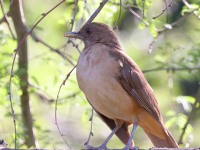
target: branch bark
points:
(16, 12)
(97, 11)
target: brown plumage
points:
(116, 88)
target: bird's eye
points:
(88, 31)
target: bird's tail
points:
(168, 141)
(158, 133)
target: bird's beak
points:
(73, 35)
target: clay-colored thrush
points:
(117, 89)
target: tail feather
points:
(168, 141)
(157, 132)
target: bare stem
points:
(118, 18)
(190, 7)
(172, 69)
(97, 11)
(37, 39)
(56, 105)
(138, 17)
(12, 66)
(5, 18)
(165, 9)
(190, 116)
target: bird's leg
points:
(127, 147)
(103, 146)
(87, 146)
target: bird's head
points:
(92, 33)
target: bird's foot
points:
(88, 147)
(132, 148)
(102, 147)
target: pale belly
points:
(103, 91)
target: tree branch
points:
(37, 39)
(97, 11)
(138, 17)
(56, 105)
(163, 10)
(5, 18)
(20, 45)
(119, 15)
(72, 25)
(164, 29)
(189, 6)
(173, 69)
(17, 14)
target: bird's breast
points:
(97, 75)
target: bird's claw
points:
(102, 147)
(132, 148)
(88, 147)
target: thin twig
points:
(6, 19)
(138, 17)
(150, 48)
(74, 45)
(74, 15)
(189, 6)
(165, 9)
(45, 94)
(119, 15)
(91, 128)
(73, 95)
(12, 66)
(72, 25)
(56, 105)
(90, 20)
(143, 6)
(166, 28)
(37, 39)
(190, 116)
(97, 11)
(173, 69)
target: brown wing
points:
(134, 82)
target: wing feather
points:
(137, 86)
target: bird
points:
(117, 89)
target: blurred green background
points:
(175, 51)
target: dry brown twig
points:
(138, 17)
(189, 6)
(163, 10)
(166, 28)
(56, 106)
(5, 19)
(174, 24)
(72, 25)
(13, 63)
(91, 127)
(173, 69)
(37, 39)
(119, 15)
(97, 11)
